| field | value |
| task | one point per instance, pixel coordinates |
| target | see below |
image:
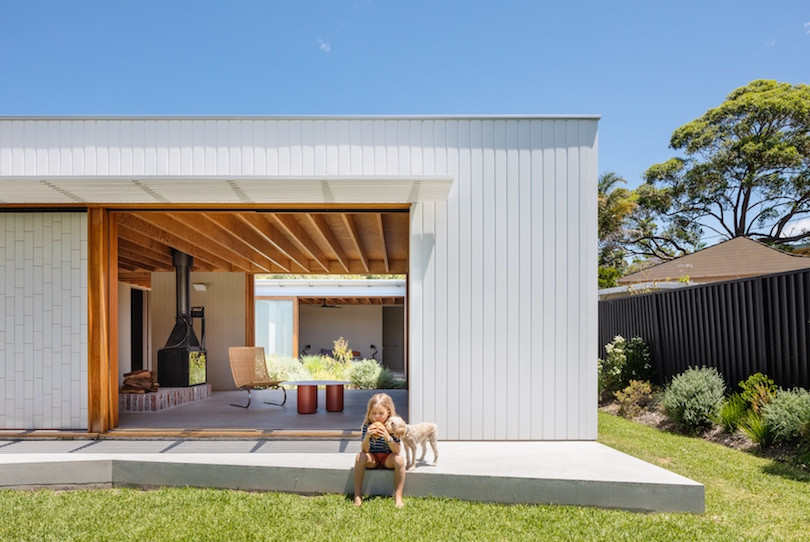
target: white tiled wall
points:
(43, 320)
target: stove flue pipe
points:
(182, 264)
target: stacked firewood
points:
(140, 382)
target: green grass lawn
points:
(747, 498)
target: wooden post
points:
(112, 315)
(102, 291)
(250, 309)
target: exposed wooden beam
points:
(124, 265)
(138, 278)
(247, 236)
(264, 242)
(262, 236)
(263, 223)
(227, 241)
(325, 232)
(151, 259)
(144, 242)
(378, 224)
(139, 222)
(354, 236)
(200, 239)
(139, 261)
(290, 225)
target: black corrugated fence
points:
(758, 324)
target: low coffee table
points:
(308, 394)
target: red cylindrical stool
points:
(334, 397)
(307, 399)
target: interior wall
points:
(393, 343)
(224, 302)
(124, 331)
(361, 325)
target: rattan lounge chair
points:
(250, 372)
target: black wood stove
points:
(182, 362)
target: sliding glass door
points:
(277, 326)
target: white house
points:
(492, 220)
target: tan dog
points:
(412, 435)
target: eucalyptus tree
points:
(746, 171)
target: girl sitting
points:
(379, 449)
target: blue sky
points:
(646, 66)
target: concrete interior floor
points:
(216, 412)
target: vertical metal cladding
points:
(502, 298)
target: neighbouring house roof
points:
(733, 259)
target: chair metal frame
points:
(249, 370)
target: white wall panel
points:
(517, 236)
(502, 314)
(43, 331)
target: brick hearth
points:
(163, 399)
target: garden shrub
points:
(387, 380)
(694, 397)
(365, 374)
(326, 368)
(733, 410)
(634, 398)
(625, 361)
(286, 368)
(638, 365)
(315, 365)
(368, 374)
(611, 368)
(758, 390)
(787, 414)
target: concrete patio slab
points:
(270, 448)
(565, 473)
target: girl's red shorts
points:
(380, 458)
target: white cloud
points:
(807, 27)
(797, 227)
(324, 46)
(770, 43)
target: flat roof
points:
(331, 287)
(307, 117)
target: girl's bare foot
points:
(398, 502)
(358, 501)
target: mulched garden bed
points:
(784, 453)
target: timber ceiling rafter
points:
(358, 241)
